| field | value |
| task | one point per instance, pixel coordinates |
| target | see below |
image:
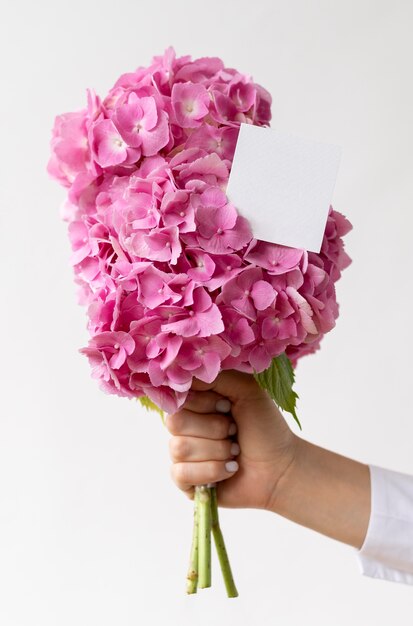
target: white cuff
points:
(387, 550)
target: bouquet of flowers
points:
(175, 284)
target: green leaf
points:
(151, 406)
(278, 380)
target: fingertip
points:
(231, 466)
(235, 449)
(232, 429)
(223, 405)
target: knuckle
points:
(174, 422)
(191, 401)
(179, 448)
(172, 448)
(180, 474)
(202, 402)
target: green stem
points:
(192, 576)
(204, 536)
(220, 546)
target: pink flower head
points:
(70, 148)
(158, 244)
(79, 238)
(190, 103)
(208, 169)
(220, 227)
(174, 282)
(109, 147)
(226, 266)
(303, 307)
(243, 95)
(222, 141)
(204, 266)
(200, 70)
(107, 351)
(248, 293)
(203, 318)
(142, 125)
(279, 321)
(144, 333)
(153, 288)
(132, 210)
(202, 357)
(274, 258)
(238, 331)
(177, 211)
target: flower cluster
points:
(174, 282)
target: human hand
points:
(202, 449)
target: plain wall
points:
(92, 529)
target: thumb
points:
(259, 420)
(232, 384)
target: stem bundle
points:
(206, 521)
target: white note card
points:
(283, 185)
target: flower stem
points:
(192, 576)
(204, 536)
(220, 546)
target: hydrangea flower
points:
(174, 282)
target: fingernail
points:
(235, 449)
(231, 466)
(232, 429)
(223, 405)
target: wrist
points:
(278, 499)
(324, 491)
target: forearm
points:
(326, 492)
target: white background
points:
(92, 529)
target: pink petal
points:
(259, 358)
(213, 197)
(209, 370)
(189, 358)
(150, 114)
(109, 147)
(210, 322)
(117, 359)
(202, 300)
(172, 349)
(242, 333)
(244, 306)
(187, 327)
(156, 374)
(190, 102)
(263, 294)
(177, 376)
(157, 138)
(163, 397)
(226, 217)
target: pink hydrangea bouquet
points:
(175, 284)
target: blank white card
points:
(283, 185)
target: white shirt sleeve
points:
(387, 550)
